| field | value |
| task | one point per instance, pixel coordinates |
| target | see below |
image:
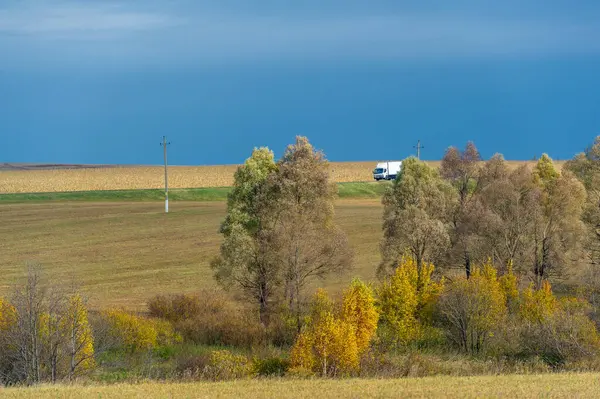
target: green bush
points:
(273, 366)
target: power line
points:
(418, 147)
(164, 144)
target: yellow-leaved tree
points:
(359, 309)
(332, 341)
(79, 339)
(407, 298)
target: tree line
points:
(279, 231)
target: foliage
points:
(556, 330)
(224, 365)
(358, 309)
(136, 333)
(538, 305)
(472, 309)
(174, 307)
(209, 318)
(328, 344)
(509, 285)
(416, 211)
(272, 366)
(246, 258)
(8, 315)
(406, 300)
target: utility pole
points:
(164, 144)
(418, 147)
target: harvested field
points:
(63, 179)
(122, 253)
(504, 386)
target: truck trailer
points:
(387, 170)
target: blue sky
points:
(102, 81)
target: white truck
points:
(387, 170)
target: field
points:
(61, 179)
(152, 177)
(513, 386)
(122, 253)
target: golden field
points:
(131, 178)
(584, 385)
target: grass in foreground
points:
(508, 386)
(123, 253)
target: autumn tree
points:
(557, 225)
(327, 344)
(586, 167)
(247, 259)
(358, 309)
(462, 169)
(508, 198)
(415, 220)
(406, 300)
(309, 243)
(472, 309)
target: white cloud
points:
(177, 33)
(70, 18)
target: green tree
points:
(246, 259)
(416, 216)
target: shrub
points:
(328, 344)
(272, 366)
(556, 330)
(209, 318)
(472, 309)
(406, 301)
(358, 309)
(175, 307)
(138, 333)
(224, 365)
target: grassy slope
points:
(508, 386)
(345, 190)
(124, 252)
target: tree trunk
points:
(467, 258)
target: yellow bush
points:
(137, 333)
(509, 285)
(407, 298)
(359, 310)
(328, 344)
(225, 365)
(538, 305)
(8, 315)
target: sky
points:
(101, 81)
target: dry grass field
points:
(122, 253)
(126, 178)
(504, 386)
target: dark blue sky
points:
(102, 81)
